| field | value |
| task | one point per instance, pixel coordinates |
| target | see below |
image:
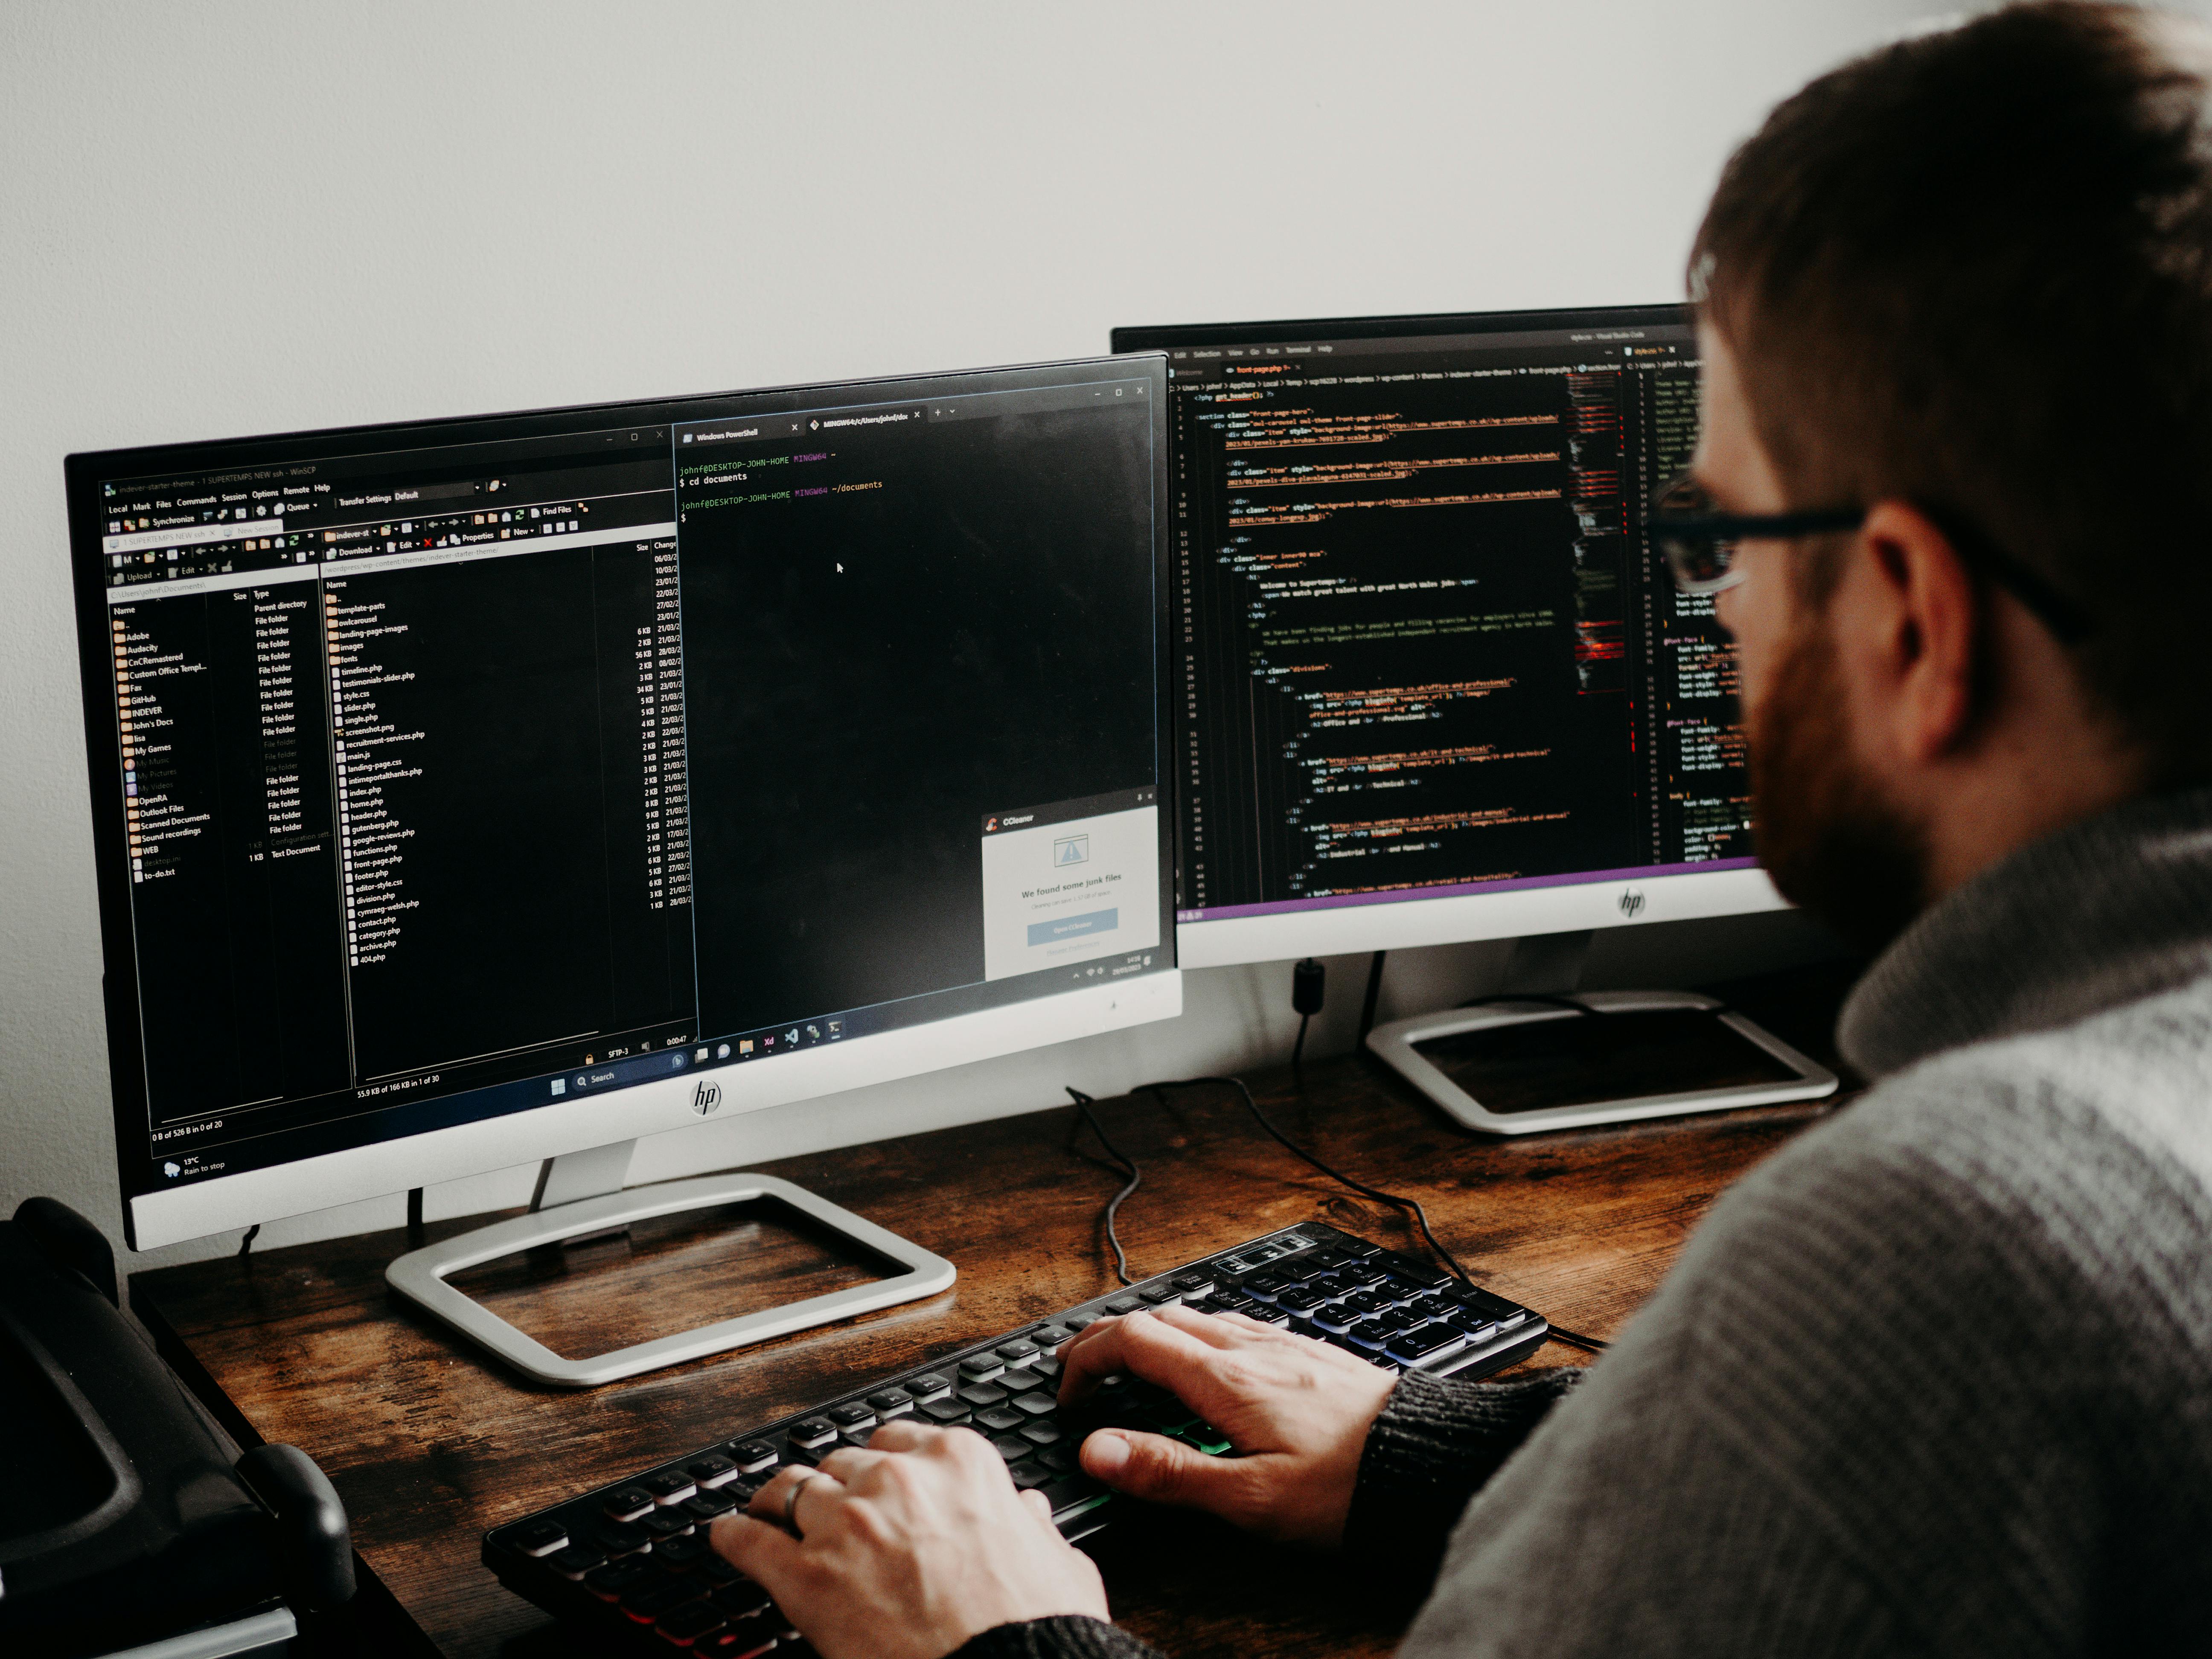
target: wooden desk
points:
(429, 1444)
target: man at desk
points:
(1938, 1377)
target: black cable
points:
(246, 1242)
(414, 1210)
(1083, 1105)
(1298, 1048)
(1413, 1204)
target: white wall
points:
(224, 218)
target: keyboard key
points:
(709, 1505)
(1049, 1337)
(812, 1432)
(1326, 1258)
(1169, 1415)
(610, 1581)
(1019, 1352)
(1518, 1316)
(1371, 1332)
(1422, 1341)
(1030, 1476)
(1047, 1368)
(753, 1456)
(859, 1436)
(1072, 1489)
(1042, 1432)
(1328, 1284)
(1427, 1277)
(541, 1538)
(1333, 1317)
(714, 1571)
(1061, 1459)
(711, 1470)
(999, 1421)
(746, 1638)
(741, 1600)
(1160, 1296)
(687, 1624)
(682, 1553)
(672, 1486)
(1023, 1381)
(1265, 1287)
(945, 1413)
(1477, 1329)
(928, 1386)
(647, 1606)
(852, 1415)
(891, 1402)
(1124, 1305)
(1036, 1405)
(1081, 1322)
(1365, 1301)
(1207, 1438)
(575, 1561)
(983, 1395)
(666, 1523)
(1012, 1447)
(1300, 1301)
(628, 1503)
(982, 1367)
(1193, 1284)
(619, 1540)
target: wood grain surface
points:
(430, 1444)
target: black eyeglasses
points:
(1699, 545)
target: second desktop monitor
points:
(1424, 652)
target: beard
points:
(1829, 840)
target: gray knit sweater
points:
(1936, 1378)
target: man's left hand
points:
(908, 1548)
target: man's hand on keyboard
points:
(1296, 1411)
(908, 1548)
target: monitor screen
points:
(446, 771)
(1425, 653)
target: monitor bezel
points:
(1406, 920)
(371, 1168)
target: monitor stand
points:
(1538, 1056)
(581, 1195)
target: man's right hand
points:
(1296, 1411)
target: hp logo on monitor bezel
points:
(707, 1096)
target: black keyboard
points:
(632, 1562)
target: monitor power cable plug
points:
(1309, 989)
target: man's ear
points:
(1913, 619)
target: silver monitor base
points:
(560, 1214)
(1398, 1044)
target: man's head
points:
(1966, 284)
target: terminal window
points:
(1424, 646)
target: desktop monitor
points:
(1430, 683)
(478, 792)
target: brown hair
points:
(1974, 270)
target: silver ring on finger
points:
(791, 1503)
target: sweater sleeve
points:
(1435, 1444)
(1066, 1636)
